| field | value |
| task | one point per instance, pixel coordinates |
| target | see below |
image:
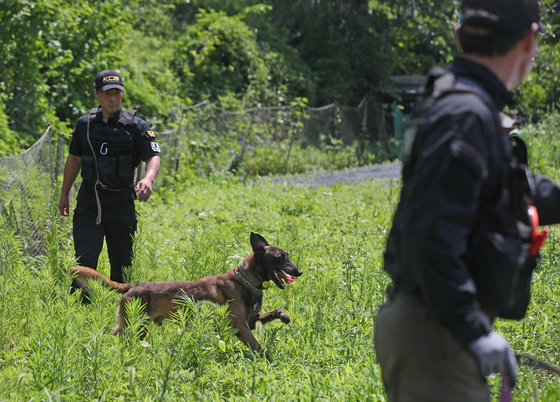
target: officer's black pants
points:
(118, 225)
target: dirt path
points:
(347, 176)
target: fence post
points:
(59, 155)
(336, 116)
(364, 105)
(178, 141)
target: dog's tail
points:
(84, 274)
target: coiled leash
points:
(98, 181)
(530, 361)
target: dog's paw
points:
(285, 318)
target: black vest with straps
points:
(114, 157)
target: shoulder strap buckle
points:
(127, 117)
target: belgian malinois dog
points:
(242, 287)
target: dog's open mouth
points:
(282, 276)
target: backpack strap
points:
(127, 117)
(93, 113)
(442, 82)
(465, 85)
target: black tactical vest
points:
(114, 160)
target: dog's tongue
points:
(289, 278)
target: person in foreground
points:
(107, 146)
(465, 236)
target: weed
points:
(52, 347)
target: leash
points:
(98, 219)
(506, 390)
(529, 361)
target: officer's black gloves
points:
(495, 355)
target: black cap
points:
(513, 15)
(108, 79)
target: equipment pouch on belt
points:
(501, 268)
(502, 265)
(116, 172)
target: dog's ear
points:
(258, 242)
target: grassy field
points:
(53, 348)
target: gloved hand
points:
(495, 355)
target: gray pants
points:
(420, 360)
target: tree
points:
(421, 33)
(55, 49)
(540, 92)
(219, 56)
(344, 44)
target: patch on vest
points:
(155, 146)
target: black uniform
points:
(460, 247)
(110, 155)
(461, 234)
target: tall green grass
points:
(53, 348)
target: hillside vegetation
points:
(238, 53)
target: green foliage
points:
(218, 56)
(64, 350)
(150, 84)
(543, 145)
(52, 52)
(174, 53)
(345, 47)
(282, 159)
(422, 33)
(10, 141)
(21, 81)
(268, 141)
(540, 92)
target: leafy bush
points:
(10, 141)
(540, 92)
(544, 145)
(220, 57)
(265, 159)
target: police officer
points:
(464, 237)
(107, 146)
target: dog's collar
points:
(250, 280)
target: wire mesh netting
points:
(200, 130)
(26, 182)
